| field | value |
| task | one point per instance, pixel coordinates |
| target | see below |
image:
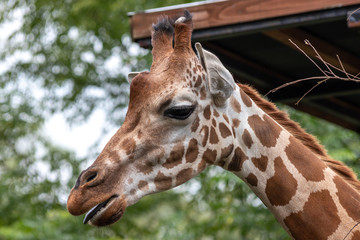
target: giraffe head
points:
(169, 134)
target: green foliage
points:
(64, 67)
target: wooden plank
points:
(326, 50)
(220, 13)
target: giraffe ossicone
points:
(186, 113)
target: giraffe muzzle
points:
(107, 212)
(96, 209)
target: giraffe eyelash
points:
(179, 112)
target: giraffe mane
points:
(298, 132)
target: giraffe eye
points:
(179, 112)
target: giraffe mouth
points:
(105, 213)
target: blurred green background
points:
(54, 62)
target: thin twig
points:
(294, 82)
(307, 42)
(312, 88)
(352, 13)
(355, 78)
(328, 73)
(308, 57)
(342, 67)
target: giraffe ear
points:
(221, 82)
(131, 76)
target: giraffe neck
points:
(307, 197)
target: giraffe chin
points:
(106, 213)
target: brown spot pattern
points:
(348, 198)
(224, 130)
(192, 151)
(205, 131)
(235, 104)
(304, 159)
(236, 122)
(145, 166)
(260, 163)
(233, 132)
(198, 82)
(130, 180)
(183, 176)
(189, 73)
(221, 163)
(245, 98)
(143, 185)
(195, 124)
(131, 124)
(216, 114)
(317, 220)
(237, 161)
(213, 136)
(201, 166)
(203, 93)
(281, 187)
(207, 112)
(226, 118)
(114, 156)
(252, 179)
(162, 182)
(214, 122)
(356, 235)
(175, 157)
(267, 131)
(246, 137)
(226, 151)
(129, 145)
(210, 156)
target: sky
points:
(78, 138)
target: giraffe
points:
(187, 113)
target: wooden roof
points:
(251, 37)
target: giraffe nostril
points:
(90, 178)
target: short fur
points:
(162, 39)
(164, 25)
(307, 139)
(183, 31)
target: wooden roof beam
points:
(210, 14)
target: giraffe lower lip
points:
(92, 212)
